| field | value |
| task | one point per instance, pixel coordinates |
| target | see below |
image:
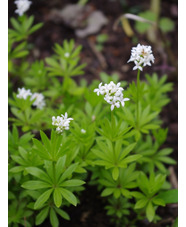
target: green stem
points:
(137, 101)
(65, 83)
(113, 130)
(112, 122)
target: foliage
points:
(165, 23)
(122, 150)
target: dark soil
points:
(90, 212)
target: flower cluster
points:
(141, 56)
(22, 6)
(62, 122)
(113, 94)
(67, 55)
(39, 98)
(83, 131)
(23, 93)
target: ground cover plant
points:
(65, 134)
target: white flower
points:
(141, 56)
(138, 66)
(101, 89)
(113, 94)
(23, 93)
(39, 100)
(83, 131)
(22, 6)
(67, 55)
(62, 122)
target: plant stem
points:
(137, 101)
(113, 130)
(112, 123)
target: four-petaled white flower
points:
(100, 90)
(23, 93)
(62, 122)
(141, 56)
(22, 6)
(39, 100)
(113, 94)
(83, 131)
(67, 55)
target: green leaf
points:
(45, 140)
(68, 172)
(115, 173)
(62, 213)
(141, 203)
(160, 166)
(38, 173)
(36, 116)
(23, 153)
(42, 199)
(165, 151)
(142, 27)
(137, 195)
(132, 158)
(35, 27)
(52, 62)
(72, 183)
(102, 38)
(57, 197)
(69, 196)
(53, 218)
(33, 185)
(18, 114)
(101, 155)
(143, 182)
(101, 163)
(126, 193)
(166, 160)
(15, 24)
(15, 133)
(169, 196)
(60, 166)
(18, 159)
(107, 191)
(28, 23)
(42, 215)
(151, 126)
(16, 169)
(127, 150)
(117, 193)
(166, 24)
(42, 152)
(158, 201)
(150, 213)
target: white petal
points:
(112, 107)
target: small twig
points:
(173, 178)
(98, 54)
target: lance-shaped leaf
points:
(42, 199)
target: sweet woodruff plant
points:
(119, 145)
